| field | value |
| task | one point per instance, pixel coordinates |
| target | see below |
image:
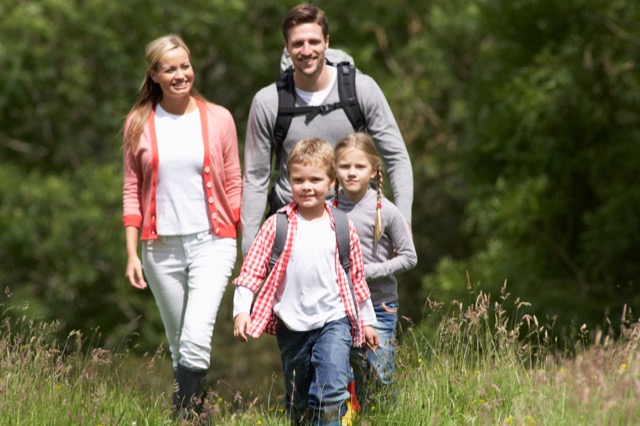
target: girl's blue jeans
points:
(376, 366)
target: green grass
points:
(470, 364)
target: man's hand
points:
(241, 326)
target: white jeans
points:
(187, 275)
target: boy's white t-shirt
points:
(306, 304)
(310, 296)
(181, 206)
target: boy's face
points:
(310, 185)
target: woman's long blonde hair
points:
(150, 93)
(364, 142)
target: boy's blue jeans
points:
(378, 365)
(316, 371)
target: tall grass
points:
(485, 362)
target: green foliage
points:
(548, 154)
(520, 117)
(58, 232)
(476, 368)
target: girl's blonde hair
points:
(150, 93)
(364, 142)
(316, 152)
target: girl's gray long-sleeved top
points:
(332, 126)
(395, 252)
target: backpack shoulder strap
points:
(286, 101)
(282, 223)
(344, 249)
(342, 236)
(349, 97)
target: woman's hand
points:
(134, 273)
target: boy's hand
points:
(370, 337)
(241, 326)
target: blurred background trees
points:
(522, 119)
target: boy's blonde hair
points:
(314, 152)
(364, 142)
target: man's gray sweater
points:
(332, 126)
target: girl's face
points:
(174, 73)
(354, 172)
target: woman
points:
(182, 190)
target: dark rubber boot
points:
(188, 387)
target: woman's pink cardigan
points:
(221, 176)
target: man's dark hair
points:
(304, 13)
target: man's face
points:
(306, 44)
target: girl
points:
(387, 248)
(182, 189)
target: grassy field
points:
(478, 366)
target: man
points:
(306, 39)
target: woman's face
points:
(174, 73)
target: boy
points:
(306, 300)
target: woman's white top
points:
(181, 203)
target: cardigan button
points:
(210, 200)
(214, 216)
(209, 184)
(207, 169)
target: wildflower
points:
(280, 410)
(529, 421)
(373, 408)
(419, 360)
(508, 420)
(623, 366)
(219, 399)
(259, 422)
(58, 386)
(477, 372)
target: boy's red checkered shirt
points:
(255, 270)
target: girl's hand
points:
(371, 337)
(134, 273)
(241, 326)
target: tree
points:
(553, 118)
